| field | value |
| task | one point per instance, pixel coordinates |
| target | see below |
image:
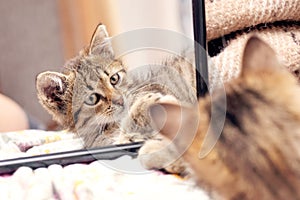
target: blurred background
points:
(40, 35)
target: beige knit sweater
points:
(277, 22)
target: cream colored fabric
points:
(228, 16)
(225, 16)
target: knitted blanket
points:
(231, 22)
(97, 180)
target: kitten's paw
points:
(152, 97)
(161, 154)
(169, 99)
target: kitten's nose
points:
(118, 100)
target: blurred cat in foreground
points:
(257, 153)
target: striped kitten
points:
(96, 98)
(257, 155)
(84, 98)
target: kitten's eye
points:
(115, 79)
(93, 99)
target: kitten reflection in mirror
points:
(84, 98)
(257, 155)
(103, 103)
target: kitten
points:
(84, 98)
(95, 97)
(257, 154)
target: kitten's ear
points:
(178, 123)
(258, 55)
(52, 90)
(100, 42)
(166, 118)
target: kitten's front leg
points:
(138, 119)
(161, 154)
(136, 125)
(158, 152)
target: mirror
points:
(33, 44)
